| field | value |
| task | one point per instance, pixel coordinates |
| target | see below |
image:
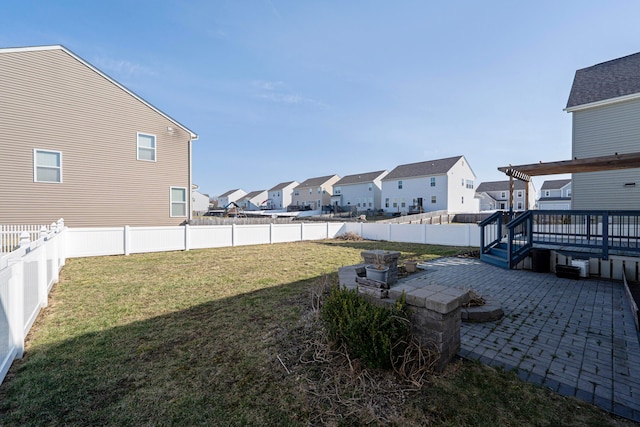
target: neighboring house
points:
(555, 195)
(605, 106)
(280, 196)
(231, 196)
(442, 184)
(200, 203)
(254, 200)
(314, 192)
(494, 195)
(78, 145)
(362, 192)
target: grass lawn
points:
(227, 336)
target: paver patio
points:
(576, 337)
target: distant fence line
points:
(10, 235)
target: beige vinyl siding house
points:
(314, 192)
(77, 145)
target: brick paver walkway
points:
(576, 337)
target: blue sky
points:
(289, 90)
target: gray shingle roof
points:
(230, 192)
(555, 184)
(281, 186)
(499, 186)
(315, 182)
(428, 168)
(553, 199)
(253, 194)
(359, 178)
(611, 79)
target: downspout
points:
(190, 193)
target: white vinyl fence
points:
(26, 277)
(10, 235)
(28, 273)
(83, 242)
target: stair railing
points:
(490, 231)
(520, 237)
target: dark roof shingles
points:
(428, 168)
(611, 79)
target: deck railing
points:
(595, 234)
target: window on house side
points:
(520, 193)
(386, 203)
(546, 193)
(433, 181)
(399, 185)
(47, 166)
(433, 199)
(503, 194)
(178, 202)
(462, 199)
(146, 147)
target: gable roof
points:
(360, 178)
(612, 79)
(315, 182)
(253, 194)
(194, 136)
(499, 186)
(555, 184)
(281, 186)
(230, 192)
(430, 167)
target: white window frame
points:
(36, 166)
(138, 148)
(400, 185)
(434, 199)
(520, 193)
(172, 202)
(432, 181)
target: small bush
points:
(375, 335)
(350, 236)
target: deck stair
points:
(506, 239)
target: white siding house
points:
(230, 196)
(494, 195)
(360, 192)
(280, 196)
(605, 106)
(442, 184)
(555, 195)
(200, 203)
(253, 201)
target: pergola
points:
(591, 164)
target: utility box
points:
(583, 264)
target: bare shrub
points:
(350, 236)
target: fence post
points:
(233, 234)
(270, 233)
(43, 290)
(187, 237)
(301, 231)
(16, 306)
(424, 234)
(25, 239)
(127, 239)
(389, 232)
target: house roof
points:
(555, 184)
(230, 192)
(315, 182)
(360, 178)
(428, 168)
(281, 186)
(253, 194)
(194, 136)
(612, 79)
(499, 186)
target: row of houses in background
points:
(443, 184)
(96, 154)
